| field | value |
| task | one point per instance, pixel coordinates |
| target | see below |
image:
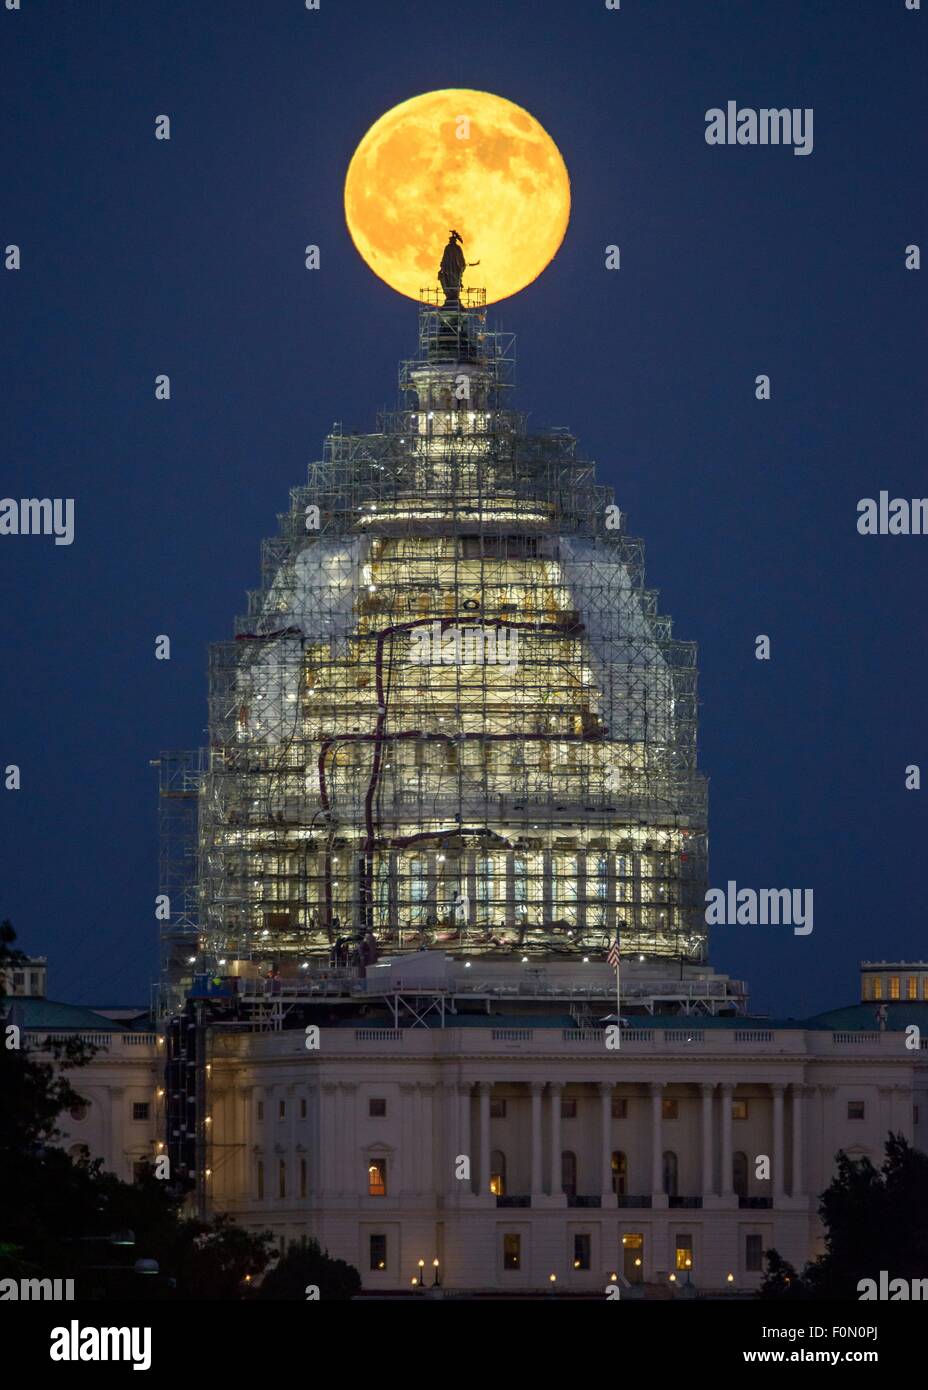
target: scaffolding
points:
(453, 715)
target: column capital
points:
(484, 1087)
(800, 1089)
(655, 1087)
(555, 1086)
(604, 1088)
(536, 1087)
(727, 1088)
(776, 1088)
(465, 1088)
(706, 1088)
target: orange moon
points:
(465, 160)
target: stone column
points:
(348, 1182)
(465, 1138)
(554, 1135)
(778, 1148)
(483, 1172)
(657, 1142)
(798, 1185)
(707, 1090)
(329, 1165)
(449, 1148)
(537, 1177)
(829, 1141)
(409, 1139)
(725, 1186)
(605, 1138)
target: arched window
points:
(670, 1174)
(739, 1173)
(498, 1173)
(619, 1173)
(569, 1173)
(78, 1152)
(377, 1177)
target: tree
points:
(309, 1265)
(874, 1220)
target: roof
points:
(48, 1015)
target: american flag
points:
(613, 956)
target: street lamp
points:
(436, 1282)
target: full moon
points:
(465, 160)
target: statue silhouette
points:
(451, 270)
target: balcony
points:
(578, 1201)
(513, 1201)
(755, 1203)
(625, 1201)
(685, 1203)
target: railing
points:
(683, 1035)
(687, 1203)
(593, 1201)
(378, 1035)
(755, 1035)
(138, 1039)
(839, 1039)
(582, 1035)
(513, 1201)
(755, 1203)
(634, 1201)
(512, 1034)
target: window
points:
(633, 1257)
(683, 1256)
(669, 1109)
(302, 1177)
(619, 1109)
(497, 1109)
(259, 1179)
(670, 1174)
(754, 1254)
(877, 987)
(925, 987)
(140, 1110)
(894, 986)
(569, 1173)
(378, 1252)
(377, 1177)
(739, 1109)
(281, 1109)
(855, 1109)
(498, 1173)
(619, 1173)
(282, 1177)
(260, 1109)
(581, 1252)
(303, 1108)
(739, 1173)
(512, 1252)
(568, 1108)
(377, 1107)
(911, 987)
(79, 1111)
(78, 1152)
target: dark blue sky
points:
(141, 257)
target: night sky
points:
(142, 257)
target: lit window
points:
(894, 986)
(911, 987)
(512, 1252)
(739, 1109)
(581, 1252)
(855, 1109)
(377, 1177)
(498, 1173)
(669, 1109)
(925, 986)
(619, 1173)
(683, 1258)
(878, 987)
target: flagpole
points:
(618, 996)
